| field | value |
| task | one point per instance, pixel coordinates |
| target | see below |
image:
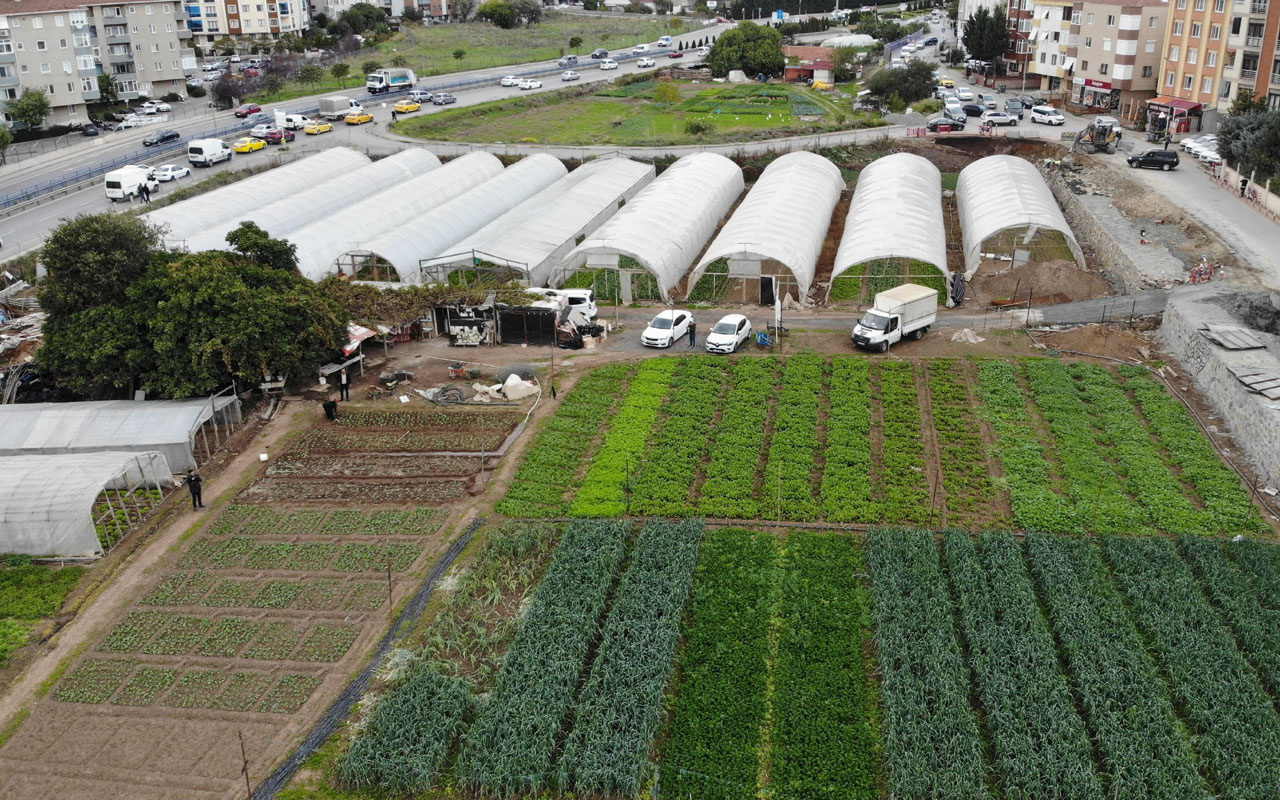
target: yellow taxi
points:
(247, 145)
(313, 128)
(406, 106)
(358, 118)
(947, 83)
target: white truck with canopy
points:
(906, 310)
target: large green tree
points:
(752, 48)
(1251, 141)
(986, 34)
(91, 260)
(913, 82)
(108, 92)
(6, 139)
(500, 13)
(31, 107)
(363, 17)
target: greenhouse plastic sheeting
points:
(1000, 193)
(665, 226)
(166, 426)
(535, 235)
(322, 242)
(287, 214)
(442, 228)
(239, 200)
(46, 501)
(784, 217)
(896, 212)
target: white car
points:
(569, 75)
(965, 94)
(667, 328)
(999, 118)
(130, 122)
(702, 52)
(897, 63)
(1197, 141)
(261, 131)
(1047, 115)
(646, 63)
(1211, 157)
(509, 80)
(729, 334)
(608, 63)
(235, 59)
(154, 105)
(1207, 144)
(171, 172)
(530, 83)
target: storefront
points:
(1094, 94)
(1173, 116)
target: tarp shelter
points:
(1006, 193)
(356, 336)
(896, 213)
(165, 426)
(784, 219)
(46, 501)
(239, 200)
(290, 212)
(534, 236)
(665, 226)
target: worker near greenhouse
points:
(344, 385)
(194, 483)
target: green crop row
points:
(1261, 564)
(905, 496)
(604, 491)
(620, 705)
(788, 476)
(96, 680)
(713, 742)
(1036, 506)
(214, 552)
(411, 731)
(313, 594)
(33, 591)
(931, 739)
(1218, 487)
(961, 454)
(1039, 743)
(661, 486)
(510, 746)
(737, 441)
(825, 742)
(165, 633)
(1098, 496)
(1144, 752)
(1236, 726)
(846, 476)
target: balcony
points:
(1248, 75)
(1253, 41)
(10, 80)
(1259, 9)
(120, 58)
(1275, 79)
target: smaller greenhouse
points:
(438, 231)
(1008, 212)
(654, 238)
(894, 232)
(239, 200)
(775, 236)
(76, 505)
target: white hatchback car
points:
(509, 80)
(729, 334)
(530, 83)
(569, 75)
(964, 94)
(1047, 115)
(171, 172)
(667, 328)
(646, 63)
(608, 63)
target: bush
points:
(696, 127)
(928, 106)
(196, 91)
(896, 104)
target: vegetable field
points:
(1033, 444)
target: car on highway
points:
(567, 61)
(406, 107)
(317, 127)
(420, 95)
(248, 144)
(702, 52)
(358, 118)
(600, 52)
(1047, 115)
(444, 98)
(260, 118)
(608, 63)
(999, 118)
(260, 131)
(160, 137)
(1155, 159)
(973, 109)
(729, 334)
(646, 63)
(171, 172)
(933, 124)
(530, 83)
(667, 328)
(509, 80)
(245, 109)
(569, 75)
(676, 54)
(277, 136)
(931, 41)
(964, 94)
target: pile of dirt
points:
(1050, 282)
(1257, 310)
(1102, 340)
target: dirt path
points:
(123, 586)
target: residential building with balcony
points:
(1044, 34)
(216, 19)
(1205, 57)
(1116, 56)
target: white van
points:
(583, 300)
(207, 152)
(295, 122)
(125, 183)
(640, 48)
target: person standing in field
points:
(194, 483)
(344, 385)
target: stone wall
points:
(1255, 426)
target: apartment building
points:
(211, 20)
(1252, 53)
(62, 46)
(1212, 48)
(1041, 30)
(1116, 56)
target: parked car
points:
(964, 94)
(162, 107)
(358, 118)
(509, 80)
(530, 83)
(1013, 107)
(974, 109)
(406, 106)
(171, 172)
(646, 63)
(246, 109)
(1210, 157)
(235, 59)
(1047, 115)
(989, 100)
(160, 137)
(1157, 159)
(260, 131)
(728, 334)
(608, 63)
(317, 127)
(1197, 141)
(129, 122)
(1030, 102)
(278, 136)
(252, 72)
(676, 54)
(569, 75)
(600, 52)
(444, 98)
(955, 112)
(666, 328)
(999, 118)
(89, 130)
(932, 125)
(247, 144)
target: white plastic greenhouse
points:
(1006, 193)
(896, 213)
(784, 219)
(288, 213)
(664, 227)
(532, 237)
(46, 501)
(323, 241)
(237, 201)
(169, 427)
(443, 227)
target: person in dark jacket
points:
(693, 333)
(194, 483)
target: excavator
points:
(1099, 136)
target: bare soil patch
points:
(1047, 283)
